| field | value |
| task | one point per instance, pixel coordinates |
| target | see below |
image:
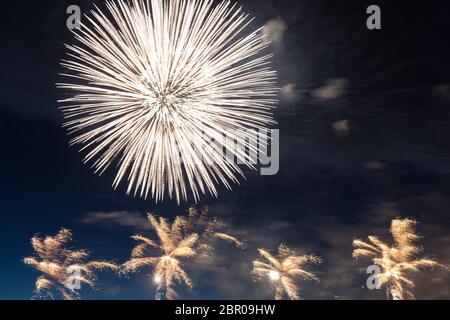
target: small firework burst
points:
(173, 247)
(396, 261)
(209, 230)
(62, 268)
(282, 270)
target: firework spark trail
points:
(209, 230)
(397, 260)
(59, 266)
(174, 246)
(155, 84)
(283, 269)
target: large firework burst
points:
(282, 270)
(62, 268)
(174, 245)
(158, 84)
(396, 261)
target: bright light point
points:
(157, 279)
(274, 275)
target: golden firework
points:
(209, 229)
(396, 260)
(63, 270)
(154, 83)
(173, 246)
(283, 269)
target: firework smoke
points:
(282, 270)
(62, 268)
(156, 83)
(209, 230)
(396, 261)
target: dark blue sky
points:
(348, 165)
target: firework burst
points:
(62, 268)
(282, 270)
(156, 82)
(396, 261)
(174, 245)
(209, 230)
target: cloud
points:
(273, 30)
(290, 88)
(442, 90)
(112, 291)
(119, 218)
(289, 92)
(333, 89)
(342, 127)
(374, 165)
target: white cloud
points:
(290, 88)
(342, 127)
(118, 218)
(289, 92)
(333, 89)
(273, 30)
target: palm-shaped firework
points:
(174, 245)
(396, 261)
(209, 230)
(62, 269)
(282, 270)
(166, 89)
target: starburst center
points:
(274, 276)
(164, 105)
(167, 99)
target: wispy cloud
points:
(289, 92)
(136, 221)
(442, 90)
(112, 291)
(374, 165)
(333, 89)
(274, 30)
(289, 88)
(342, 127)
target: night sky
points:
(364, 123)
